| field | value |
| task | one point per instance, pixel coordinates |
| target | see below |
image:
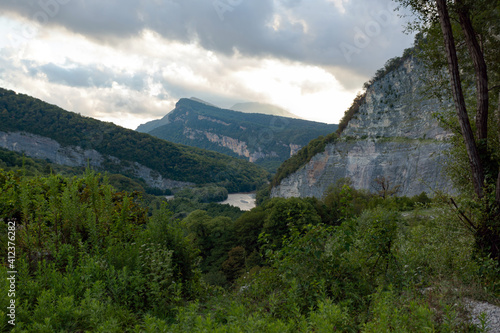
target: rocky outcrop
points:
(235, 145)
(264, 139)
(213, 120)
(394, 135)
(294, 149)
(415, 166)
(45, 148)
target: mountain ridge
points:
(257, 137)
(47, 131)
(263, 108)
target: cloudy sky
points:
(129, 61)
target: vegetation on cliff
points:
(264, 137)
(173, 161)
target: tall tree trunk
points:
(481, 73)
(458, 97)
(497, 194)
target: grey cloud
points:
(76, 77)
(88, 76)
(244, 26)
(59, 88)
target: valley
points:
(250, 218)
(264, 139)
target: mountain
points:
(255, 107)
(151, 125)
(202, 101)
(42, 130)
(263, 139)
(391, 137)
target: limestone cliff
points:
(393, 135)
(37, 146)
(259, 138)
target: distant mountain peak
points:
(194, 103)
(202, 101)
(239, 134)
(264, 108)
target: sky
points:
(130, 61)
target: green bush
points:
(91, 259)
(203, 194)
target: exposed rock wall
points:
(235, 145)
(414, 166)
(256, 137)
(393, 135)
(45, 148)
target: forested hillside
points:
(89, 258)
(84, 251)
(21, 113)
(263, 139)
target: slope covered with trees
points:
(259, 137)
(89, 258)
(19, 112)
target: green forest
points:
(261, 133)
(20, 112)
(91, 258)
(85, 251)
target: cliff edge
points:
(393, 136)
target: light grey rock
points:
(45, 148)
(491, 315)
(393, 135)
(410, 165)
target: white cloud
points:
(339, 4)
(131, 61)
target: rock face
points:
(238, 147)
(394, 135)
(45, 148)
(259, 138)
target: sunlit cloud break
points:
(129, 62)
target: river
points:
(244, 201)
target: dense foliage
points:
(458, 43)
(302, 157)
(259, 133)
(23, 113)
(92, 259)
(203, 194)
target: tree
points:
(234, 266)
(384, 187)
(458, 97)
(285, 215)
(468, 31)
